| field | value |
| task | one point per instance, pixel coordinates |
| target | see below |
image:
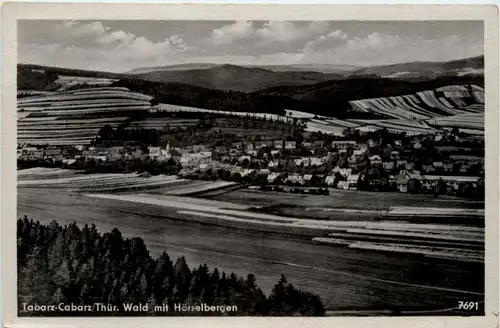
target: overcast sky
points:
(119, 46)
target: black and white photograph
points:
(250, 168)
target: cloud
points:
(269, 32)
(382, 49)
(107, 46)
(233, 32)
(116, 36)
(96, 46)
(281, 31)
(90, 29)
(375, 40)
(327, 41)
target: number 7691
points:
(468, 305)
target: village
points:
(448, 163)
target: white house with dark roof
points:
(278, 144)
(352, 180)
(330, 179)
(290, 144)
(343, 185)
(295, 177)
(394, 155)
(375, 159)
(344, 172)
(272, 177)
(343, 144)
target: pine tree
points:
(32, 278)
(151, 305)
(279, 300)
(84, 294)
(56, 252)
(58, 297)
(53, 230)
(62, 275)
(183, 279)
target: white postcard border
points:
(13, 11)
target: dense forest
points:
(189, 95)
(67, 264)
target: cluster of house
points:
(345, 160)
(69, 154)
(426, 183)
(57, 153)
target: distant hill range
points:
(461, 67)
(251, 78)
(233, 77)
(321, 68)
(265, 90)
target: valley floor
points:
(345, 278)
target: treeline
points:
(310, 191)
(121, 135)
(66, 264)
(91, 165)
(206, 131)
(189, 95)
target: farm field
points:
(74, 182)
(76, 116)
(276, 216)
(184, 187)
(471, 123)
(67, 81)
(443, 237)
(329, 125)
(426, 112)
(176, 108)
(40, 116)
(345, 278)
(38, 173)
(411, 127)
(159, 123)
(352, 222)
(422, 113)
(98, 182)
(342, 199)
(447, 101)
